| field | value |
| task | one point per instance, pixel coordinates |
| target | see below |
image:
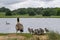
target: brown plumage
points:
(19, 26)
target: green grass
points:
(25, 34)
(54, 36)
(12, 39)
(2, 15)
(3, 34)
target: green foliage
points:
(21, 11)
(8, 13)
(46, 13)
(37, 11)
(32, 11)
(3, 9)
(58, 13)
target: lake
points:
(50, 23)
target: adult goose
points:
(19, 26)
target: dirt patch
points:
(12, 37)
(3, 37)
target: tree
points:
(8, 13)
(31, 12)
(46, 13)
(2, 9)
(58, 13)
(38, 11)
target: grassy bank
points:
(2, 15)
(54, 36)
(18, 34)
(51, 36)
(25, 35)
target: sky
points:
(15, 4)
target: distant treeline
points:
(32, 11)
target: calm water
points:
(50, 23)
